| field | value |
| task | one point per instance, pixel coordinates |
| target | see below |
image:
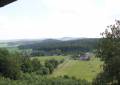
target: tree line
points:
(56, 47)
(13, 64)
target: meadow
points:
(44, 58)
(87, 70)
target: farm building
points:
(5, 2)
(86, 56)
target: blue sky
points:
(26, 19)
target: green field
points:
(75, 68)
(3, 45)
(44, 58)
(80, 69)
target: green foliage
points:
(9, 64)
(49, 66)
(32, 79)
(26, 65)
(39, 68)
(36, 64)
(109, 52)
(43, 71)
(53, 62)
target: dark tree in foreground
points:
(5, 2)
(109, 52)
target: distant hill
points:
(68, 38)
(15, 43)
(66, 46)
(19, 42)
(50, 41)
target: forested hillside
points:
(59, 47)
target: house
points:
(5, 2)
(86, 57)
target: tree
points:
(109, 52)
(43, 71)
(36, 64)
(9, 64)
(26, 65)
(49, 66)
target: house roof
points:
(84, 57)
(5, 2)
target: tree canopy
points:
(109, 52)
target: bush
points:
(43, 71)
(49, 66)
(32, 79)
(26, 65)
(36, 64)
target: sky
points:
(36, 19)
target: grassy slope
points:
(79, 69)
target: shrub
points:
(36, 64)
(26, 65)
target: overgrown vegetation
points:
(18, 70)
(12, 65)
(32, 79)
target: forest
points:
(58, 47)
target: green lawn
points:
(44, 58)
(79, 69)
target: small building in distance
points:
(86, 56)
(5, 2)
